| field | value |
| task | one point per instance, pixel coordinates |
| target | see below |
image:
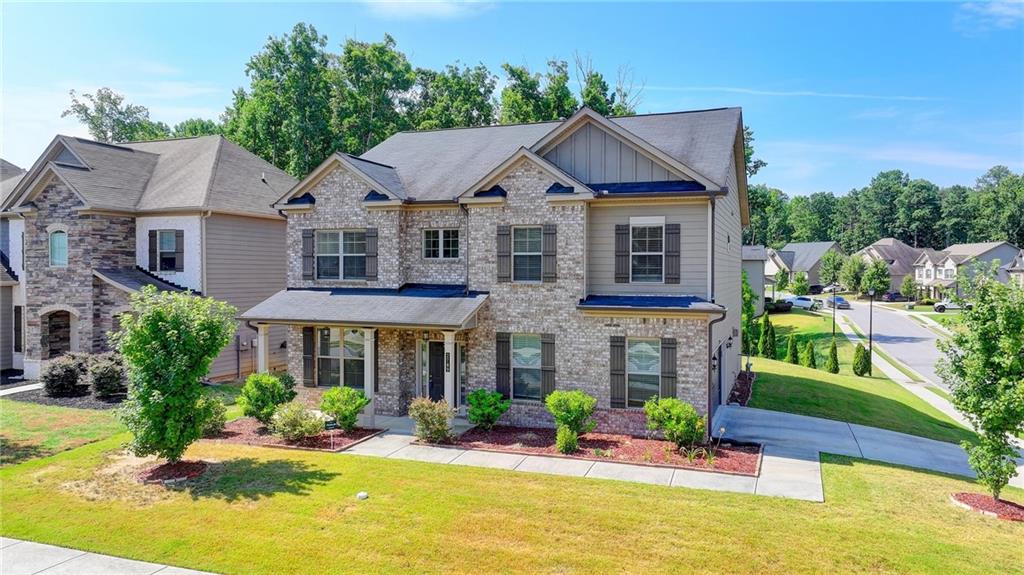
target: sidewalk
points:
(19, 557)
(20, 388)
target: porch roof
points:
(415, 306)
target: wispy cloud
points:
(980, 18)
(878, 113)
(419, 9)
(791, 93)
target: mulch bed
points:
(729, 458)
(249, 431)
(82, 401)
(744, 387)
(172, 472)
(982, 503)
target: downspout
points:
(711, 252)
(465, 210)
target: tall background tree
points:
(456, 97)
(110, 119)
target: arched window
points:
(59, 248)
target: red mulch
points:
(249, 431)
(987, 504)
(172, 472)
(744, 387)
(740, 459)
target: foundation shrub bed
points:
(433, 420)
(676, 420)
(572, 409)
(293, 422)
(106, 375)
(62, 376)
(262, 394)
(249, 431)
(485, 408)
(343, 405)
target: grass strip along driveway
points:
(30, 430)
(262, 510)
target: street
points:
(901, 337)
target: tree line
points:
(915, 211)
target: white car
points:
(942, 306)
(804, 302)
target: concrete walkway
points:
(19, 557)
(20, 388)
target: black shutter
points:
(179, 250)
(547, 364)
(504, 254)
(153, 264)
(622, 253)
(308, 248)
(18, 337)
(503, 363)
(671, 253)
(617, 361)
(308, 348)
(668, 367)
(371, 254)
(549, 250)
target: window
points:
(643, 370)
(340, 361)
(526, 366)
(59, 249)
(647, 253)
(341, 255)
(165, 250)
(928, 273)
(526, 256)
(441, 244)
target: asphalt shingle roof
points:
(898, 255)
(133, 279)
(806, 254)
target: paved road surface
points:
(900, 336)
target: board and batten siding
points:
(693, 248)
(592, 155)
(245, 264)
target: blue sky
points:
(834, 92)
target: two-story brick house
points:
(89, 223)
(591, 253)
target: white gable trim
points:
(580, 190)
(332, 162)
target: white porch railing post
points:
(370, 370)
(449, 368)
(262, 348)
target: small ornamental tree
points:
(800, 285)
(984, 368)
(832, 363)
(747, 314)
(791, 351)
(261, 395)
(807, 358)
(851, 272)
(876, 277)
(781, 280)
(908, 288)
(772, 346)
(861, 361)
(168, 343)
(343, 405)
(828, 270)
(766, 344)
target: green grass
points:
(228, 393)
(948, 320)
(814, 327)
(875, 401)
(940, 392)
(281, 511)
(903, 306)
(30, 430)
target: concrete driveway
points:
(901, 337)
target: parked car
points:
(894, 296)
(780, 306)
(815, 289)
(942, 306)
(804, 302)
(838, 301)
(832, 288)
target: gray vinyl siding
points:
(728, 283)
(592, 155)
(755, 277)
(245, 264)
(693, 255)
(6, 327)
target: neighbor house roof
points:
(1017, 264)
(754, 253)
(133, 279)
(806, 254)
(782, 257)
(899, 256)
(965, 251)
(931, 255)
(10, 175)
(203, 173)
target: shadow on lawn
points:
(253, 479)
(13, 452)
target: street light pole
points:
(871, 321)
(835, 304)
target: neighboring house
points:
(754, 258)
(898, 256)
(1015, 269)
(90, 223)
(777, 260)
(12, 293)
(591, 253)
(806, 258)
(940, 271)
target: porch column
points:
(369, 369)
(449, 368)
(262, 348)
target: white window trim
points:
(512, 367)
(657, 346)
(645, 222)
(440, 244)
(513, 253)
(341, 254)
(160, 252)
(49, 248)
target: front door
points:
(436, 363)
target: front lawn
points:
(265, 510)
(30, 430)
(948, 320)
(814, 327)
(875, 401)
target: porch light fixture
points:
(728, 343)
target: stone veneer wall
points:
(107, 302)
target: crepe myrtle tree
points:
(876, 277)
(781, 280)
(984, 368)
(168, 342)
(908, 288)
(800, 285)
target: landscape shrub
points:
(214, 413)
(566, 440)
(809, 359)
(832, 363)
(288, 382)
(344, 404)
(676, 420)
(861, 361)
(293, 422)
(792, 355)
(485, 408)
(62, 375)
(106, 375)
(572, 409)
(433, 419)
(261, 395)
(926, 301)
